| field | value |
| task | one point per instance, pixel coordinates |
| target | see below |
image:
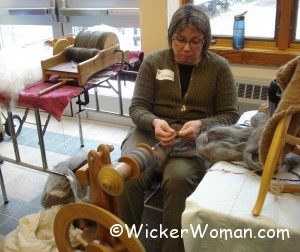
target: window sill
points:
(254, 56)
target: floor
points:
(24, 186)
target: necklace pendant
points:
(183, 108)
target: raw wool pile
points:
(20, 68)
(233, 143)
(251, 152)
(291, 161)
(180, 149)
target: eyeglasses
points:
(194, 43)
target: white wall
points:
(254, 72)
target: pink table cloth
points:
(53, 102)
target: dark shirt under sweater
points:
(185, 72)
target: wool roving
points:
(20, 68)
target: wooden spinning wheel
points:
(71, 212)
(103, 212)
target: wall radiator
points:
(252, 93)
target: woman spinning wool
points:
(179, 92)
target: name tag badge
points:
(165, 74)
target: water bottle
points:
(239, 31)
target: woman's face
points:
(187, 46)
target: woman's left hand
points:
(191, 129)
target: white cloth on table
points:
(224, 200)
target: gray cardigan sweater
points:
(211, 95)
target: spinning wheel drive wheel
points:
(17, 125)
(74, 211)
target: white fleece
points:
(20, 68)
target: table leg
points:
(80, 129)
(13, 133)
(96, 99)
(46, 124)
(120, 94)
(41, 138)
(3, 187)
(1, 124)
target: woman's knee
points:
(179, 168)
(180, 173)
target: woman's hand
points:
(163, 132)
(191, 129)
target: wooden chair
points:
(282, 142)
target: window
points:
(25, 23)
(297, 36)
(260, 16)
(267, 50)
(17, 36)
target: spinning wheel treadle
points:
(71, 212)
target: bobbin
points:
(111, 177)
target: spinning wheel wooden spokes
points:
(103, 218)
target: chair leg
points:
(3, 187)
(270, 165)
(150, 197)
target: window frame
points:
(264, 52)
(61, 15)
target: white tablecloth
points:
(222, 205)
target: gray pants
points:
(180, 178)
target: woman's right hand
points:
(163, 132)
